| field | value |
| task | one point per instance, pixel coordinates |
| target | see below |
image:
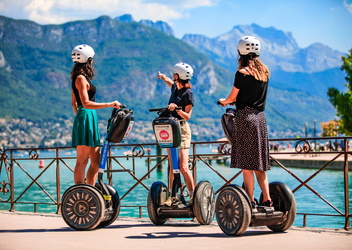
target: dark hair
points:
(185, 83)
(85, 69)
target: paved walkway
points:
(39, 231)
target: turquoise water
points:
(329, 184)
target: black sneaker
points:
(268, 203)
(254, 204)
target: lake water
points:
(328, 183)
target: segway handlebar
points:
(163, 109)
(232, 103)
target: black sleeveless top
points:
(91, 91)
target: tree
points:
(329, 128)
(342, 101)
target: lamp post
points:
(314, 135)
(336, 126)
(306, 128)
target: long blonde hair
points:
(258, 69)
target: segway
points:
(168, 134)
(233, 209)
(85, 207)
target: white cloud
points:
(39, 9)
(348, 5)
(191, 4)
(183, 5)
(60, 11)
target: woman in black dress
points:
(250, 150)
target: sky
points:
(310, 21)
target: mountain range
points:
(35, 64)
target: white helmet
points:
(184, 71)
(81, 53)
(247, 45)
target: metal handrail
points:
(10, 162)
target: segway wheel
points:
(204, 203)
(157, 195)
(83, 207)
(116, 206)
(233, 211)
(284, 201)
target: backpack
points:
(227, 122)
(120, 124)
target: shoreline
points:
(311, 161)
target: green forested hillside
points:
(36, 81)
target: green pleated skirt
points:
(85, 128)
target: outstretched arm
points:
(166, 79)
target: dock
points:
(22, 230)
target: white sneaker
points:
(168, 202)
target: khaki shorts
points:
(185, 135)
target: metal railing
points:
(18, 163)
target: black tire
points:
(116, 205)
(204, 203)
(284, 201)
(157, 195)
(82, 207)
(233, 210)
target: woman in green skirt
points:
(85, 134)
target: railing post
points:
(58, 183)
(346, 186)
(12, 183)
(159, 151)
(304, 220)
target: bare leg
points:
(248, 177)
(264, 184)
(81, 163)
(92, 173)
(170, 171)
(183, 156)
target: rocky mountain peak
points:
(159, 25)
(127, 18)
(280, 50)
